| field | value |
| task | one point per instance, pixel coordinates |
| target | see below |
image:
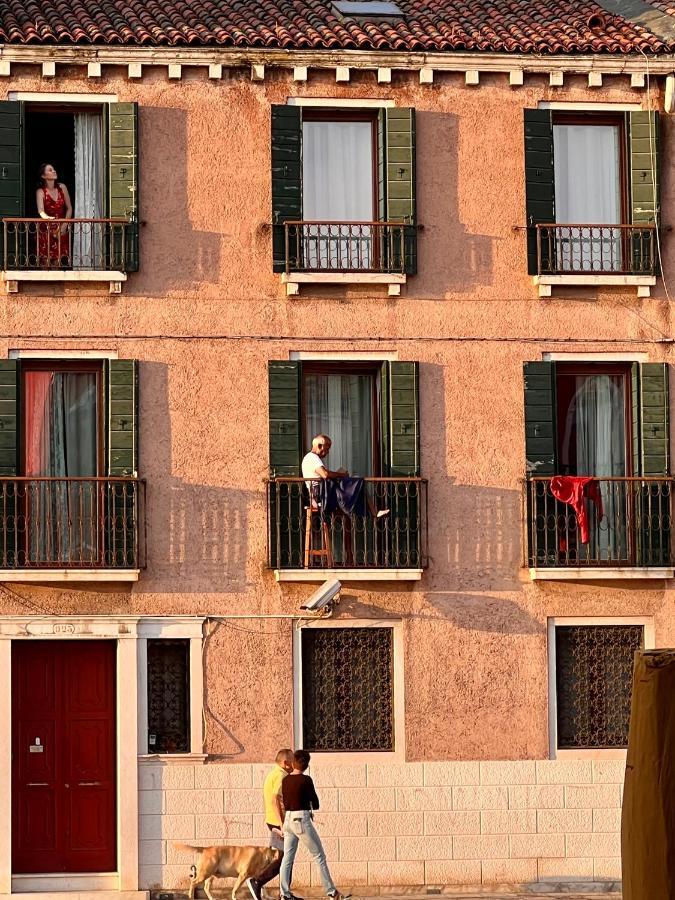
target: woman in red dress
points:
(53, 202)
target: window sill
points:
(587, 753)
(293, 280)
(174, 758)
(643, 283)
(64, 575)
(618, 573)
(12, 277)
(316, 575)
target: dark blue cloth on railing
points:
(348, 495)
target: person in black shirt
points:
(299, 798)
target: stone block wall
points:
(401, 825)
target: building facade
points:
(456, 265)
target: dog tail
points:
(180, 846)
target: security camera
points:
(323, 596)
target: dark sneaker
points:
(338, 896)
(295, 897)
(254, 888)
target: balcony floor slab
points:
(643, 283)
(62, 575)
(317, 576)
(293, 280)
(618, 573)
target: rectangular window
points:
(347, 689)
(342, 402)
(169, 695)
(594, 668)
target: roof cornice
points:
(635, 65)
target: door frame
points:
(124, 631)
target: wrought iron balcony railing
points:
(596, 249)
(300, 536)
(72, 523)
(378, 247)
(628, 522)
(65, 244)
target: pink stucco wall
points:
(206, 313)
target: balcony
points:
(72, 529)
(348, 253)
(304, 546)
(65, 250)
(596, 255)
(629, 523)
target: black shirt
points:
(298, 792)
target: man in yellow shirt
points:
(274, 818)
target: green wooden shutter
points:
(122, 399)
(286, 176)
(540, 418)
(123, 177)
(400, 188)
(11, 172)
(9, 395)
(284, 418)
(654, 450)
(539, 178)
(644, 166)
(401, 439)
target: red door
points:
(63, 756)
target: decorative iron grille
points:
(594, 670)
(348, 689)
(168, 696)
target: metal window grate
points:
(348, 689)
(594, 669)
(168, 696)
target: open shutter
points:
(284, 418)
(122, 395)
(539, 179)
(123, 177)
(11, 171)
(540, 418)
(9, 458)
(401, 420)
(644, 166)
(286, 176)
(399, 182)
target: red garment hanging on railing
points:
(574, 490)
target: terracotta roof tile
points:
(503, 26)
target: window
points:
(93, 147)
(69, 493)
(593, 679)
(598, 463)
(592, 192)
(169, 696)
(347, 689)
(343, 190)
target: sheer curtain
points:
(599, 409)
(88, 240)
(61, 442)
(341, 407)
(588, 190)
(337, 186)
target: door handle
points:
(88, 784)
(37, 784)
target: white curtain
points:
(598, 412)
(337, 186)
(88, 240)
(587, 191)
(341, 407)
(61, 442)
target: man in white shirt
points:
(313, 466)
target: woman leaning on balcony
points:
(53, 202)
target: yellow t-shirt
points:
(272, 790)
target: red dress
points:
(53, 247)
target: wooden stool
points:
(325, 550)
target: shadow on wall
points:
(474, 531)
(198, 536)
(451, 259)
(173, 254)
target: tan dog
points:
(228, 862)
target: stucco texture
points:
(206, 313)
